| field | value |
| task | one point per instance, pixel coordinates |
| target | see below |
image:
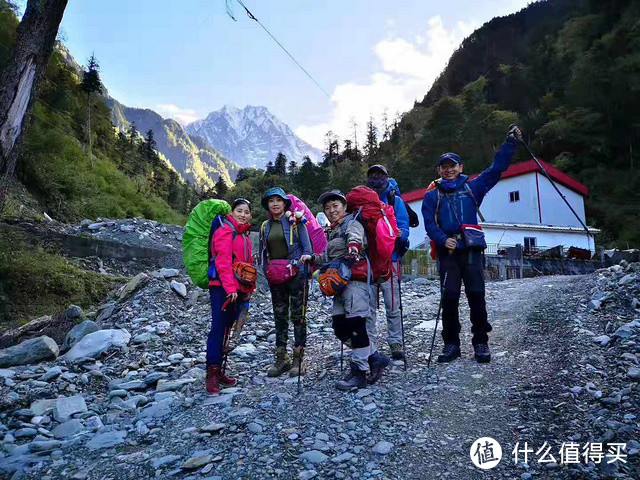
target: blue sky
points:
(186, 59)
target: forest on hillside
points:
(567, 72)
(74, 161)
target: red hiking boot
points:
(227, 380)
(213, 377)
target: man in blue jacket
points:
(445, 209)
(388, 191)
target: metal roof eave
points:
(548, 228)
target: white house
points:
(524, 208)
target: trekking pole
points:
(305, 293)
(341, 354)
(546, 174)
(433, 340)
(404, 349)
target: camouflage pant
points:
(287, 300)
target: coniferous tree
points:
(280, 165)
(91, 86)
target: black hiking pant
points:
(463, 266)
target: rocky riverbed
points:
(123, 395)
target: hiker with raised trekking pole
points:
(389, 193)
(450, 212)
(353, 298)
(284, 240)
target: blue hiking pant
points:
(221, 322)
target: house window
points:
(514, 196)
(530, 244)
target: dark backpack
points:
(414, 221)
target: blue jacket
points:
(448, 225)
(400, 210)
(301, 241)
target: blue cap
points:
(454, 157)
(275, 192)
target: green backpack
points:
(197, 237)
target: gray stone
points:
(179, 288)
(40, 407)
(93, 423)
(95, 226)
(26, 432)
(75, 313)
(627, 279)
(44, 446)
(213, 427)
(634, 373)
(142, 337)
(65, 407)
(307, 474)
(76, 333)
(51, 374)
(30, 351)
(93, 344)
(172, 385)
(106, 312)
(254, 428)
(134, 284)
(158, 409)
(602, 340)
(344, 457)
(68, 429)
(164, 461)
(383, 447)
(169, 272)
(313, 456)
(197, 461)
(106, 440)
(625, 331)
(7, 373)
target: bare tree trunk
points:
(34, 43)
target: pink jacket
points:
(228, 250)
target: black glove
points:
(514, 132)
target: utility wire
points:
(253, 17)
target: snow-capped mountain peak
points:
(252, 136)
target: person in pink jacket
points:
(229, 297)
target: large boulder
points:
(30, 351)
(93, 344)
(77, 333)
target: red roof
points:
(521, 168)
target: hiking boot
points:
(356, 378)
(482, 353)
(396, 351)
(213, 376)
(377, 363)
(283, 363)
(449, 352)
(298, 363)
(227, 380)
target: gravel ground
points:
(548, 382)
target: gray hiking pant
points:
(372, 330)
(390, 291)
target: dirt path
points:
(426, 419)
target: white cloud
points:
(407, 71)
(182, 115)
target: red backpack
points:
(381, 228)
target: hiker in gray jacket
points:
(352, 305)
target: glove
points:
(514, 132)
